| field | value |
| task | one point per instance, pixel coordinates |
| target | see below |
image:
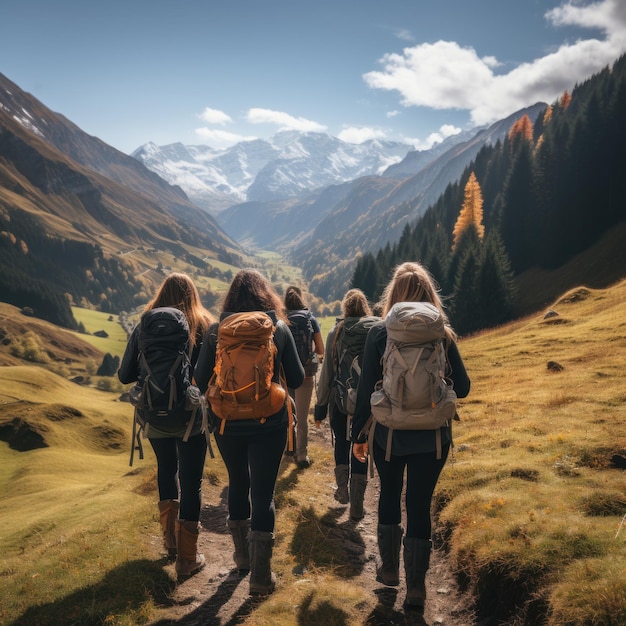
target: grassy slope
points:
(535, 504)
(530, 502)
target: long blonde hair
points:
(180, 292)
(412, 282)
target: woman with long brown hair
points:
(180, 463)
(252, 449)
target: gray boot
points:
(389, 544)
(262, 579)
(342, 473)
(358, 483)
(239, 530)
(416, 563)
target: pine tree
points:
(471, 211)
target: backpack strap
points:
(135, 443)
(173, 392)
(288, 400)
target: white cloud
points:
(391, 114)
(213, 116)
(447, 130)
(444, 75)
(283, 120)
(355, 134)
(221, 138)
(404, 34)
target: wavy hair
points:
(251, 291)
(180, 292)
(355, 304)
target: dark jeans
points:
(252, 462)
(343, 447)
(422, 474)
(180, 465)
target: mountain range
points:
(287, 165)
(318, 199)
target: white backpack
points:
(414, 393)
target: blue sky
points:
(217, 72)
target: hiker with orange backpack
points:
(177, 315)
(247, 363)
(416, 396)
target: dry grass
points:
(535, 498)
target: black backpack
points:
(350, 339)
(302, 330)
(165, 393)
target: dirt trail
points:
(217, 597)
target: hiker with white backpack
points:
(247, 363)
(411, 377)
(162, 350)
(337, 388)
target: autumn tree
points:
(471, 211)
(522, 128)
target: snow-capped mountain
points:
(288, 164)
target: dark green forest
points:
(41, 274)
(548, 193)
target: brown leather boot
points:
(188, 561)
(168, 514)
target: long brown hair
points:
(294, 301)
(412, 282)
(180, 292)
(251, 291)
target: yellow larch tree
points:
(471, 211)
(522, 128)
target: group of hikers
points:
(248, 380)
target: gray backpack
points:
(414, 393)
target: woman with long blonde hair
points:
(412, 451)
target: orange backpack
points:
(241, 386)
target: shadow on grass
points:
(322, 542)
(322, 613)
(123, 591)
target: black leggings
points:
(252, 462)
(180, 465)
(343, 446)
(422, 474)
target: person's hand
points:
(360, 451)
